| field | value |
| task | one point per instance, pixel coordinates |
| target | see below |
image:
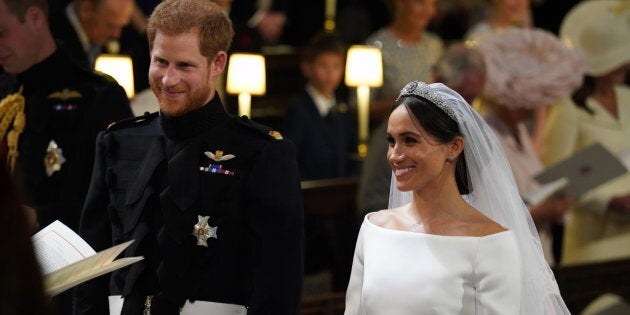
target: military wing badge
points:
(219, 156)
(64, 95)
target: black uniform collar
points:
(195, 122)
(8, 84)
(33, 76)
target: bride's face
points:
(417, 158)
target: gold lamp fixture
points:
(364, 69)
(120, 68)
(329, 15)
(246, 77)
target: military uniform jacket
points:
(67, 105)
(155, 176)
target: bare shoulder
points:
(491, 228)
(381, 218)
(483, 226)
(389, 218)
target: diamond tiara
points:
(423, 90)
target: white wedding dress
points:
(402, 273)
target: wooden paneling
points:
(581, 284)
(326, 304)
(330, 210)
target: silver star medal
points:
(54, 158)
(203, 231)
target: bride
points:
(457, 238)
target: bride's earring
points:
(451, 158)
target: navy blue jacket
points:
(324, 144)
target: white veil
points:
(493, 191)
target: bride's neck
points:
(429, 206)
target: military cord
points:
(13, 120)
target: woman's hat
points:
(601, 29)
(528, 68)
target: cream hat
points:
(601, 30)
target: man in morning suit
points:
(85, 27)
(212, 201)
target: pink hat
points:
(601, 29)
(527, 68)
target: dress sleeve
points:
(561, 141)
(498, 280)
(561, 132)
(355, 286)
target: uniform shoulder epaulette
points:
(260, 128)
(132, 121)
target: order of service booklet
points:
(581, 172)
(67, 260)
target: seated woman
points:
(457, 238)
(511, 95)
(599, 112)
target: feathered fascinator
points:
(527, 68)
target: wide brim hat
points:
(600, 29)
(528, 68)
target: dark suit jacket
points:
(69, 40)
(247, 38)
(63, 31)
(324, 144)
(152, 179)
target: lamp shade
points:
(364, 66)
(120, 68)
(246, 74)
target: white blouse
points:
(400, 272)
